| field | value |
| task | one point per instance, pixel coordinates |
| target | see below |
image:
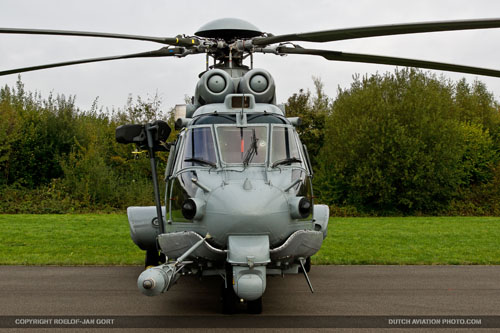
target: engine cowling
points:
(259, 83)
(214, 86)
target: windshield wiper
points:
(288, 160)
(252, 150)
(200, 161)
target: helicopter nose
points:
(247, 207)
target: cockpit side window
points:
(199, 149)
(284, 145)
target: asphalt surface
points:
(339, 291)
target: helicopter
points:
(239, 200)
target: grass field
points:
(85, 239)
(91, 239)
(412, 241)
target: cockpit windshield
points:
(247, 145)
(240, 145)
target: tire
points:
(163, 258)
(255, 307)
(153, 258)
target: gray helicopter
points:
(239, 200)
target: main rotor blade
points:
(381, 30)
(181, 41)
(374, 59)
(163, 52)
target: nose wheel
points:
(255, 307)
(230, 300)
(228, 295)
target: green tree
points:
(397, 145)
(313, 111)
(9, 133)
(474, 103)
(36, 133)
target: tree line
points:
(403, 143)
(56, 158)
(399, 143)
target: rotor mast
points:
(233, 42)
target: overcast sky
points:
(174, 78)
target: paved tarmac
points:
(339, 291)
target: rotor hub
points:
(228, 29)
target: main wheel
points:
(163, 258)
(255, 307)
(154, 258)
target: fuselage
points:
(243, 169)
(238, 196)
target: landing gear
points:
(231, 302)
(228, 295)
(154, 258)
(255, 307)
